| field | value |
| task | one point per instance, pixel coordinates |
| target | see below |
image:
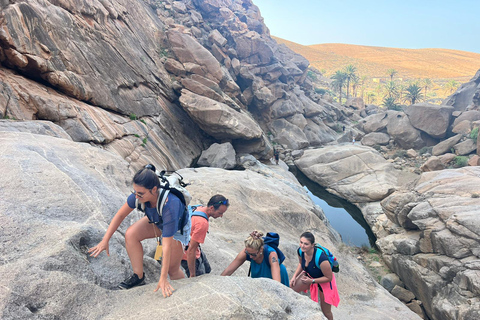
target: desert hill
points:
(375, 61)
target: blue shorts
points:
(185, 237)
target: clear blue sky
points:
(412, 24)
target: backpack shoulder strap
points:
(299, 251)
(162, 198)
(317, 258)
(200, 214)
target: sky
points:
(410, 24)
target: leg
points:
(137, 232)
(326, 308)
(175, 260)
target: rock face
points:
(357, 173)
(436, 251)
(432, 119)
(218, 156)
(375, 138)
(467, 97)
(67, 193)
(148, 60)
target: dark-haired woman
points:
(264, 261)
(309, 277)
(146, 186)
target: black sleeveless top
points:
(312, 269)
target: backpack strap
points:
(200, 214)
(317, 257)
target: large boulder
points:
(218, 119)
(355, 103)
(219, 156)
(375, 122)
(467, 96)
(357, 173)
(430, 118)
(375, 139)
(66, 194)
(402, 131)
(465, 147)
(288, 134)
(446, 145)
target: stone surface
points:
(467, 96)
(401, 130)
(218, 156)
(375, 122)
(218, 119)
(375, 138)
(389, 281)
(69, 193)
(437, 255)
(430, 118)
(446, 145)
(36, 127)
(357, 173)
(474, 161)
(402, 294)
(356, 103)
(433, 164)
(465, 147)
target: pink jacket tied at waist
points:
(330, 292)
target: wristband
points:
(313, 281)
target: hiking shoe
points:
(131, 282)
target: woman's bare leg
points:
(176, 255)
(326, 308)
(137, 232)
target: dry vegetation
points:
(438, 65)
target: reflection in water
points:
(344, 217)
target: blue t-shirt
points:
(262, 270)
(172, 212)
(312, 269)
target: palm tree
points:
(391, 73)
(363, 80)
(427, 83)
(391, 104)
(451, 86)
(392, 89)
(413, 93)
(355, 83)
(370, 96)
(338, 82)
(350, 73)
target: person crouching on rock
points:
(146, 185)
(264, 261)
(320, 281)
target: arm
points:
(297, 272)
(191, 257)
(327, 272)
(163, 283)
(121, 214)
(236, 263)
(274, 266)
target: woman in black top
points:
(308, 274)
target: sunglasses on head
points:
(224, 202)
